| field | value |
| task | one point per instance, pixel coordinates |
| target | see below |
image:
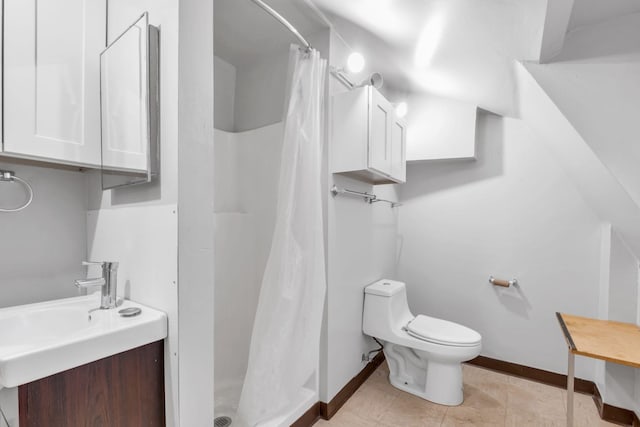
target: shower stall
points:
(254, 226)
(247, 167)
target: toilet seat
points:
(442, 332)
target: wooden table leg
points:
(570, 380)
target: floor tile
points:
(533, 403)
(349, 418)
(491, 399)
(409, 410)
(369, 403)
(586, 413)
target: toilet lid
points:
(442, 332)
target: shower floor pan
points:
(228, 395)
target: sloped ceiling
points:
(565, 16)
(460, 49)
(463, 49)
(555, 28)
(589, 12)
(244, 32)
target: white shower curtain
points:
(285, 342)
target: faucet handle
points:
(111, 265)
(87, 263)
(86, 283)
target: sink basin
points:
(38, 340)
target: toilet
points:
(424, 353)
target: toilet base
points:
(436, 381)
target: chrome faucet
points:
(108, 281)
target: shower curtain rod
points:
(284, 22)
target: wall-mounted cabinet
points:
(129, 106)
(368, 139)
(51, 80)
(441, 129)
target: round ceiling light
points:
(402, 109)
(355, 62)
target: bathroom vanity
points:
(73, 364)
(126, 389)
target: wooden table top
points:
(616, 342)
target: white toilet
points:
(424, 353)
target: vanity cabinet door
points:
(123, 390)
(398, 150)
(52, 79)
(381, 116)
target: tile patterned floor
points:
(491, 399)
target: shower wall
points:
(245, 195)
(260, 90)
(252, 95)
(224, 87)
(247, 166)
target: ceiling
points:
(589, 12)
(244, 32)
(461, 49)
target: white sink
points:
(38, 340)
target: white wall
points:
(511, 214)
(361, 247)
(225, 90)
(144, 241)
(636, 408)
(44, 245)
(623, 282)
(619, 382)
(601, 190)
(260, 90)
(594, 82)
(195, 208)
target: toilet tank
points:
(385, 308)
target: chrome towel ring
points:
(9, 176)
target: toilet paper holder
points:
(502, 282)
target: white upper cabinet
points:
(398, 150)
(368, 139)
(441, 129)
(52, 79)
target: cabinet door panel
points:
(398, 151)
(123, 390)
(380, 133)
(51, 79)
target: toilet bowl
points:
(424, 353)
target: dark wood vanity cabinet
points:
(123, 390)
